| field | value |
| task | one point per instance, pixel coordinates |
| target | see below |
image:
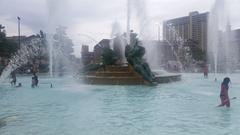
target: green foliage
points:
(109, 57)
(7, 48)
(2, 32)
(197, 53)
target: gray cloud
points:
(36, 14)
(32, 13)
(94, 18)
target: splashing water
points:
(56, 10)
(221, 52)
(142, 22)
(179, 40)
(22, 56)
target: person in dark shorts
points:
(34, 80)
(14, 79)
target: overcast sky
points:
(89, 20)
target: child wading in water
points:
(34, 80)
(224, 93)
(205, 71)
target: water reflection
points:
(3, 123)
(225, 117)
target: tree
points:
(2, 32)
(197, 53)
(7, 47)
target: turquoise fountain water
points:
(70, 108)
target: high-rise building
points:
(192, 27)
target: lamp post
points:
(128, 20)
(19, 40)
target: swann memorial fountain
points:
(107, 66)
(120, 61)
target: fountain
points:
(68, 107)
(27, 51)
(136, 67)
(118, 41)
(51, 16)
(146, 35)
(136, 70)
(57, 41)
(59, 44)
(111, 70)
(221, 52)
(179, 42)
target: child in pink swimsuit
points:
(224, 93)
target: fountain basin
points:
(168, 78)
(71, 108)
(124, 75)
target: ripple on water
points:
(186, 107)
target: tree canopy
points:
(7, 47)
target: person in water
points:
(34, 80)
(205, 71)
(19, 85)
(225, 101)
(14, 79)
